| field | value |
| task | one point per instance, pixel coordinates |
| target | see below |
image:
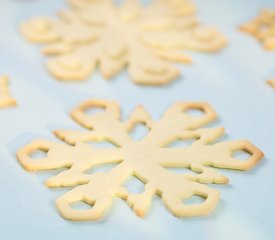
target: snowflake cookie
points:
(5, 99)
(147, 159)
(263, 28)
(144, 39)
(271, 82)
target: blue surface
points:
(232, 82)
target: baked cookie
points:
(262, 28)
(5, 98)
(148, 159)
(271, 82)
(144, 39)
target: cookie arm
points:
(173, 200)
(218, 155)
(106, 121)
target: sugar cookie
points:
(262, 28)
(5, 98)
(144, 39)
(146, 159)
(271, 82)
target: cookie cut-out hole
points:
(241, 155)
(134, 185)
(101, 168)
(102, 144)
(38, 154)
(182, 143)
(94, 110)
(180, 170)
(194, 200)
(81, 205)
(195, 112)
(139, 132)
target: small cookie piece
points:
(271, 82)
(148, 159)
(5, 98)
(147, 40)
(262, 28)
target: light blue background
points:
(233, 82)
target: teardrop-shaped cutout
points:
(134, 185)
(241, 155)
(81, 205)
(195, 112)
(194, 200)
(38, 154)
(139, 132)
(94, 110)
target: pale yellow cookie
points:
(263, 28)
(146, 40)
(271, 82)
(146, 159)
(5, 98)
